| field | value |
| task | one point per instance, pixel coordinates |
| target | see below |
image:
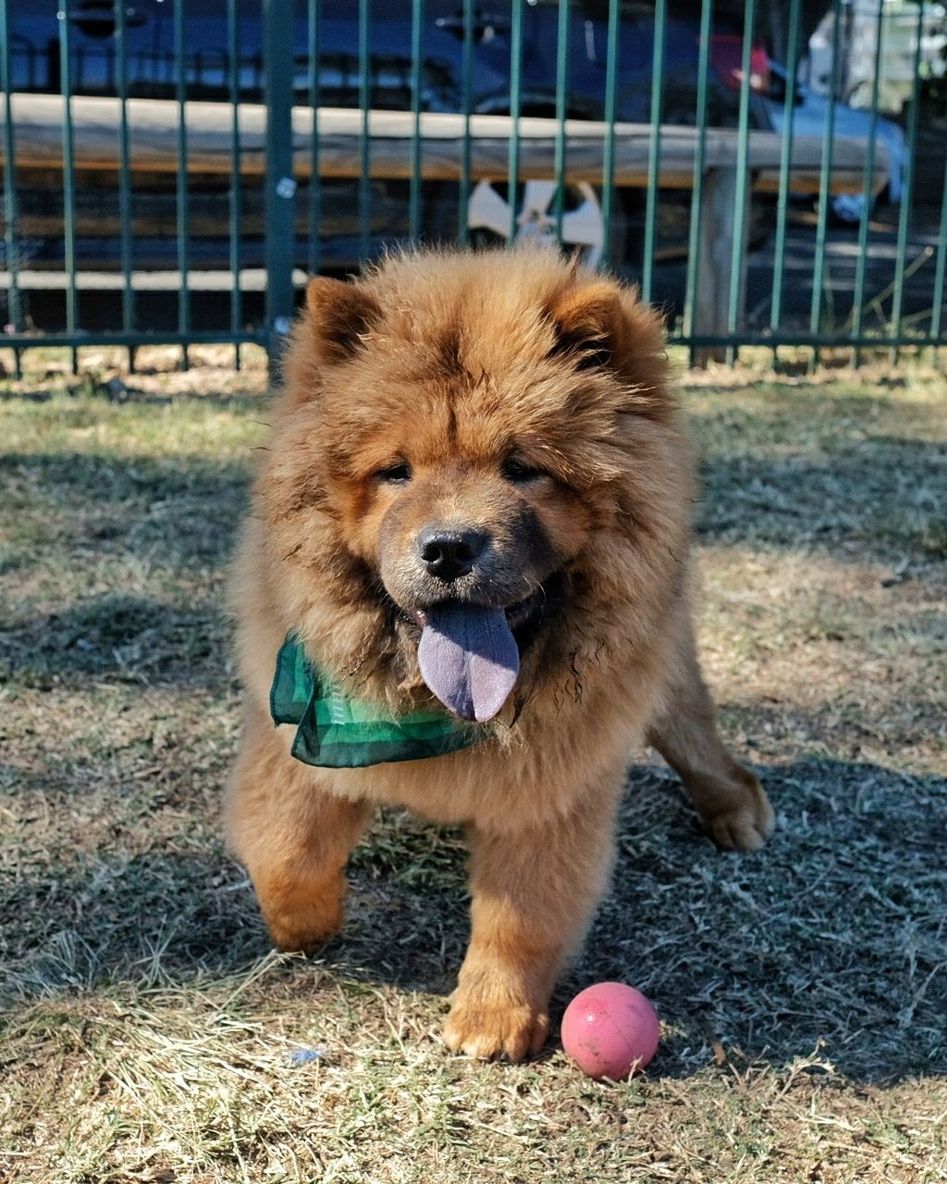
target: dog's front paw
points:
(302, 916)
(745, 824)
(304, 932)
(489, 1030)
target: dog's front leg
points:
(292, 836)
(533, 895)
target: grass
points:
(150, 1035)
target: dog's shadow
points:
(828, 942)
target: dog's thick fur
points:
(406, 395)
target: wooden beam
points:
(38, 120)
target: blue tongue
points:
(469, 659)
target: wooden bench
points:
(154, 124)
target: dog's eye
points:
(519, 472)
(396, 474)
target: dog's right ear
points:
(340, 315)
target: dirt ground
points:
(149, 1033)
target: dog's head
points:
(486, 448)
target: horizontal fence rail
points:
(769, 176)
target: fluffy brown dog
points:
(476, 457)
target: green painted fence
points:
(173, 171)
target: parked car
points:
(152, 73)
(810, 118)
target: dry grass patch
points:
(149, 1034)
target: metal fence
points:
(172, 170)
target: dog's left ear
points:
(603, 325)
(588, 324)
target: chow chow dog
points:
(464, 588)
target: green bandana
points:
(335, 732)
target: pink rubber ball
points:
(610, 1030)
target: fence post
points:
(719, 195)
(279, 199)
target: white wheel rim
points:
(582, 227)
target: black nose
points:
(449, 554)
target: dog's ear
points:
(603, 326)
(340, 315)
(588, 324)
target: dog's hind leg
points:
(728, 797)
(293, 838)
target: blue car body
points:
(810, 118)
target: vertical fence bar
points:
(235, 193)
(654, 151)
(279, 203)
(608, 154)
(743, 194)
(940, 271)
(904, 214)
(364, 143)
(818, 269)
(414, 189)
(11, 243)
(868, 193)
(785, 165)
(68, 178)
(697, 194)
(124, 174)
(516, 71)
(313, 49)
(184, 244)
(562, 79)
(466, 87)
